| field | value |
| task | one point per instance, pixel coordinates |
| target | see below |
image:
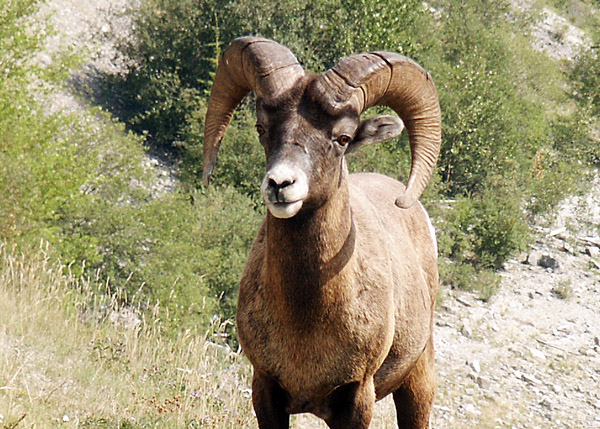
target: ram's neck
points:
(306, 255)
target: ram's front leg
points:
(351, 406)
(269, 401)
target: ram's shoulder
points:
(373, 196)
(377, 190)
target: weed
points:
(562, 289)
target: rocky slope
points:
(531, 356)
(91, 29)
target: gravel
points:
(531, 356)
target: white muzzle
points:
(284, 189)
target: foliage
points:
(78, 181)
(484, 282)
(585, 76)
(184, 250)
(488, 126)
(514, 144)
(484, 230)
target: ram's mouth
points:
(284, 210)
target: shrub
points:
(184, 250)
(484, 230)
(85, 190)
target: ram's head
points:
(307, 123)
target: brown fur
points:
(335, 309)
(336, 300)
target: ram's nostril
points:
(277, 185)
(286, 183)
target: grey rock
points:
(484, 382)
(474, 365)
(546, 404)
(568, 248)
(593, 251)
(547, 261)
(537, 354)
(466, 330)
(529, 378)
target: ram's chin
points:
(284, 210)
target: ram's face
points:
(305, 149)
(308, 122)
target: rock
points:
(484, 382)
(597, 341)
(568, 248)
(471, 410)
(474, 365)
(529, 378)
(465, 300)
(547, 261)
(466, 330)
(557, 231)
(546, 403)
(532, 257)
(593, 251)
(537, 354)
(124, 317)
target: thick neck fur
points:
(305, 255)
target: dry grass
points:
(67, 361)
(72, 357)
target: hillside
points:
(74, 352)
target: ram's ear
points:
(376, 130)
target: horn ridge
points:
(395, 81)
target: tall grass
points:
(70, 357)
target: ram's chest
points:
(308, 365)
(311, 353)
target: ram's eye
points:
(260, 129)
(343, 140)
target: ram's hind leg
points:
(414, 399)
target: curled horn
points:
(248, 64)
(389, 79)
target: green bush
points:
(78, 182)
(499, 101)
(464, 276)
(185, 250)
(484, 230)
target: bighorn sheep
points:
(336, 301)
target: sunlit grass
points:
(71, 357)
